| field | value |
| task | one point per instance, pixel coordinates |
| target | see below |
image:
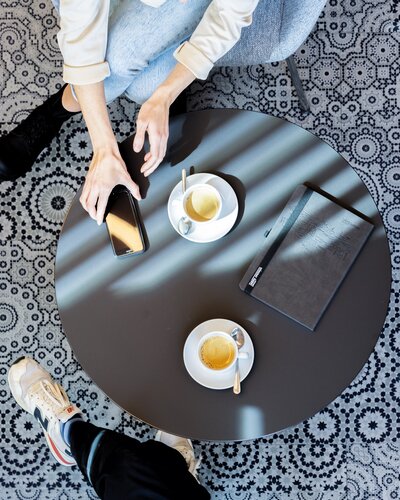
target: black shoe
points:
(20, 148)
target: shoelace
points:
(56, 398)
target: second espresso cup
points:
(202, 203)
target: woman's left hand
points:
(153, 120)
(154, 114)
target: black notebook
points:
(306, 256)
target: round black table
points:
(127, 320)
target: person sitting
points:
(148, 50)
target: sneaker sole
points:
(15, 374)
(61, 457)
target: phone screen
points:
(123, 225)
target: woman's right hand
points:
(106, 170)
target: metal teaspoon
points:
(184, 224)
(238, 337)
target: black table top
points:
(127, 320)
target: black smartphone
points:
(123, 224)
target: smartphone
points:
(123, 224)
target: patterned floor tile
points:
(373, 471)
(21, 493)
(29, 56)
(348, 16)
(259, 470)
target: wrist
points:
(166, 93)
(105, 147)
(179, 78)
(177, 81)
(106, 150)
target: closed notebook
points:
(306, 256)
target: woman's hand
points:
(154, 114)
(153, 119)
(106, 170)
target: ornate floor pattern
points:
(350, 67)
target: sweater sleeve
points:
(83, 40)
(215, 35)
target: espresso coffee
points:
(202, 204)
(217, 352)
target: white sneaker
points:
(185, 448)
(37, 393)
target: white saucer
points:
(215, 380)
(211, 231)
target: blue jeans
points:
(141, 42)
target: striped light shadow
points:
(234, 136)
(317, 240)
(163, 264)
(241, 252)
(153, 270)
(235, 256)
(84, 234)
(275, 187)
(342, 183)
(267, 153)
(159, 226)
(88, 276)
(156, 270)
(98, 270)
(159, 191)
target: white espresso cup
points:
(218, 351)
(202, 203)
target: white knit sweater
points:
(83, 37)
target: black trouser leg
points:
(22, 145)
(123, 468)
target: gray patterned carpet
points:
(351, 70)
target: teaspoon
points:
(184, 224)
(238, 337)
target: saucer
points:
(210, 231)
(215, 380)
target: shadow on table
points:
(240, 191)
(189, 139)
(134, 161)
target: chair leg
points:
(304, 104)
